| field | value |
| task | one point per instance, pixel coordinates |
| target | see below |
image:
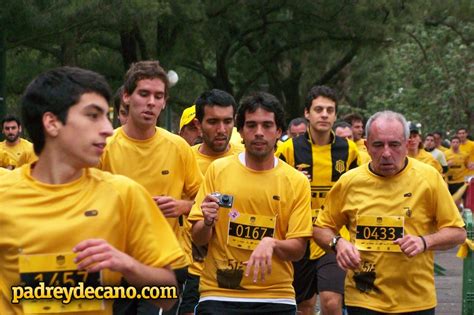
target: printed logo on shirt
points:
(165, 172)
(91, 213)
(340, 166)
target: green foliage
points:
(410, 56)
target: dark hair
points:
(429, 135)
(142, 70)
(320, 90)
(118, 100)
(342, 124)
(56, 91)
(351, 118)
(263, 100)
(455, 137)
(462, 128)
(9, 118)
(211, 98)
(439, 133)
(298, 121)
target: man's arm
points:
(95, 254)
(445, 238)
(173, 208)
(261, 258)
(202, 230)
(347, 255)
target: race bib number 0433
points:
(377, 233)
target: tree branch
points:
(339, 65)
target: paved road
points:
(449, 287)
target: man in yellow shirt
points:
(19, 150)
(467, 146)
(438, 139)
(257, 225)
(323, 157)
(357, 124)
(188, 129)
(398, 211)
(157, 159)
(458, 167)
(415, 149)
(68, 221)
(344, 130)
(121, 110)
(215, 112)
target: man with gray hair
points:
(398, 211)
(297, 126)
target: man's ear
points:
(198, 124)
(126, 99)
(51, 124)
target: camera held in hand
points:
(225, 201)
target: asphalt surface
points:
(449, 286)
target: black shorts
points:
(237, 308)
(190, 294)
(319, 275)
(143, 307)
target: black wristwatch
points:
(334, 241)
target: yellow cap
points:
(188, 115)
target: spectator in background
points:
(20, 151)
(121, 110)
(188, 128)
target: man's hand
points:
(261, 259)
(95, 255)
(172, 208)
(210, 209)
(347, 255)
(411, 245)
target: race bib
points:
(247, 230)
(56, 270)
(377, 233)
(314, 215)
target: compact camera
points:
(225, 201)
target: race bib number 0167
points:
(247, 230)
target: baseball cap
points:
(187, 116)
(414, 128)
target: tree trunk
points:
(128, 48)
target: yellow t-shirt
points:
(441, 148)
(391, 282)
(324, 163)
(427, 158)
(363, 154)
(164, 164)
(5, 160)
(203, 161)
(236, 140)
(50, 219)
(280, 195)
(468, 147)
(458, 168)
(4, 171)
(19, 154)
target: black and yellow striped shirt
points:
(324, 163)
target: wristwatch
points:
(334, 241)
